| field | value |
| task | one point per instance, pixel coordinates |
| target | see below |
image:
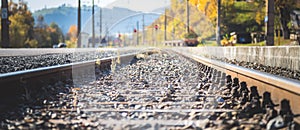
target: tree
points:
(42, 33)
(21, 25)
(260, 11)
(176, 23)
(23, 33)
(47, 36)
(43, 37)
(41, 22)
(72, 36)
(56, 34)
(283, 10)
(208, 7)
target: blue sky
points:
(40, 4)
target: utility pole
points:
(107, 34)
(4, 24)
(143, 29)
(188, 16)
(93, 23)
(218, 31)
(79, 24)
(100, 25)
(137, 33)
(270, 23)
(165, 24)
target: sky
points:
(35, 5)
(137, 5)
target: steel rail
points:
(57, 68)
(279, 87)
(15, 84)
(25, 74)
(278, 81)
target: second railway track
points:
(157, 89)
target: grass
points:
(208, 43)
(251, 44)
(282, 41)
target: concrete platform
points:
(281, 56)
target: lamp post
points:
(4, 24)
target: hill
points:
(141, 5)
(66, 16)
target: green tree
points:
(283, 9)
(47, 36)
(43, 37)
(42, 33)
(56, 34)
(260, 11)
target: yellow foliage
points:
(32, 43)
(71, 44)
(209, 7)
(73, 31)
(177, 23)
(226, 42)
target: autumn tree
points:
(72, 36)
(21, 26)
(176, 23)
(23, 33)
(47, 36)
(260, 12)
(209, 7)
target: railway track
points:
(280, 87)
(150, 90)
(20, 82)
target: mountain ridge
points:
(65, 16)
(140, 5)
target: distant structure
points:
(295, 19)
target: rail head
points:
(287, 84)
(26, 74)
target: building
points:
(84, 40)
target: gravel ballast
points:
(33, 61)
(158, 91)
